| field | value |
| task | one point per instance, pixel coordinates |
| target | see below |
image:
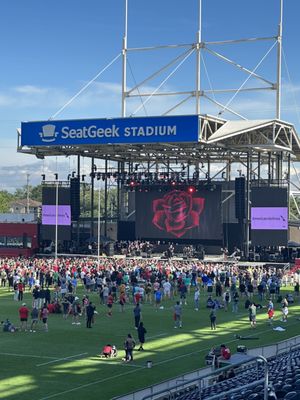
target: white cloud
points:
(30, 89)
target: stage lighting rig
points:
(191, 189)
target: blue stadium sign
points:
(184, 128)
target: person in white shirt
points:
(167, 289)
(142, 292)
(196, 298)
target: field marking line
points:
(90, 384)
(132, 365)
(155, 336)
(27, 355)
(61, 359)
(150, 337)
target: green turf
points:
(30, 368)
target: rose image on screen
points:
(177, 212)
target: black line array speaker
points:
(240, 198)
(75, 198)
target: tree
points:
(85, 201)
(35, 193)
(5, 199)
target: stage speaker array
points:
(240, 198)
(75, 198)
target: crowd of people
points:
(53, 285)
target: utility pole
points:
(27, 190)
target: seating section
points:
(284, 382)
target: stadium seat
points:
(287, 388)
(291, 396)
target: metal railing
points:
(170, 394)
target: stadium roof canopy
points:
(219, 140)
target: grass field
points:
(62, 364)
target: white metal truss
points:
(199, 47)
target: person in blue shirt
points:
(158, 297)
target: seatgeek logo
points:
(49, 133)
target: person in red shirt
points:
(20, 291)
(109, 351)
(137, 297)
(225, 354)
(23, 313)
(110, 301)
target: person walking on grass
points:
(122, 301)
(110, 302)
(178, 315)
(270, 313)
(285, 312)
(34, 319)
(213, 318)
(141, 334)
(90, 311)
(252, 315)
(235, 302)
(44, 317)
(129, 346)
(23, 313)
(227, 300)
(196, 298)
(158, 297)
(76, 311)
(137, 315)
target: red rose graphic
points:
(177, 212)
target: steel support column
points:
(105, 198)
(247, 225)
(92, 196)
(78, 221)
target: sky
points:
(51, 49)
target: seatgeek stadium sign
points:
(184, 128)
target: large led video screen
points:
(179, 214)
(63, 215)
(49, 196)
(269, 216)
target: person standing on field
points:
(137, 315)
(196, 298)
(129, 346)
(23, 313)
(213, 318)
(44, 316)
(252, 315)
(178, 315)
(90, 311)
(141, 334)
